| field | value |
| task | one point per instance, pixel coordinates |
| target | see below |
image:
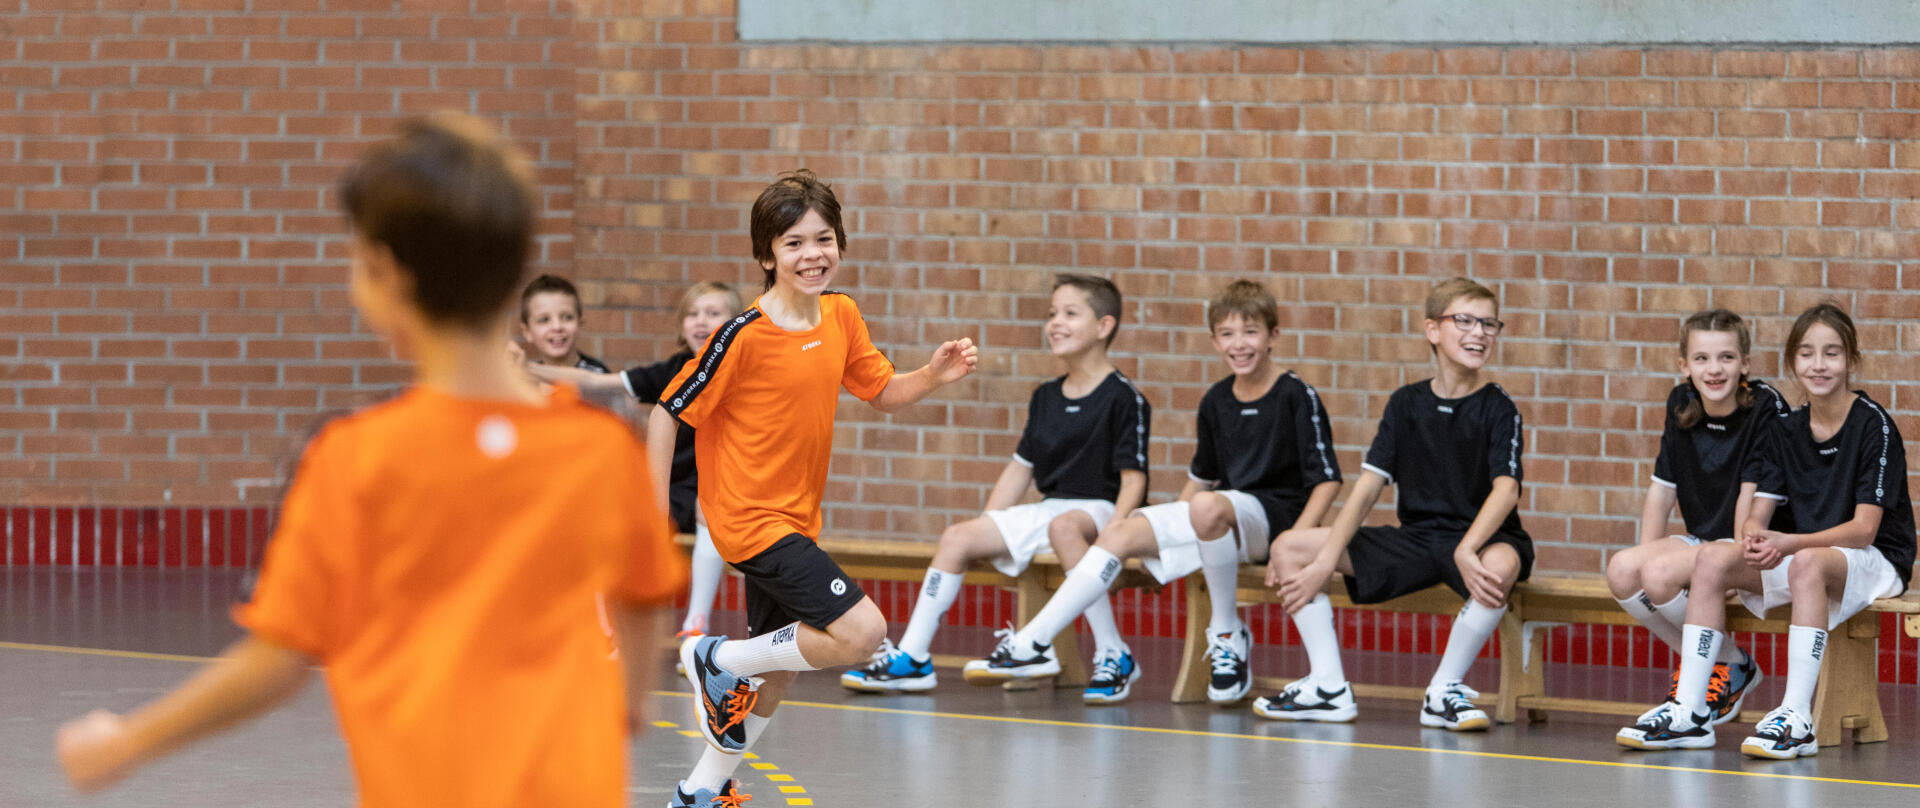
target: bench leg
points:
(1521, 667)
(1032, 594)
(1848, 696)
(1191, 685)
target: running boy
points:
(550, 324)
(1838, 464)
(1264, 457)
(761, 401)
(1453, 443)
(1085, 448)
(442, 553)
(1714, 419)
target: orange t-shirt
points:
(443, 557)
(761, 400)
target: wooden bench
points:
(1846, 701)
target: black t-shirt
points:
(1865, 463)
(1077, 447)
(1444, 453)
(1279, 444)
(589, 363)
(1704, 464)
(646, 383)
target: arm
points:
(1133, 493)
(1193, 488)
(640, 635)
(1011, 486)
(1318, 503)
(661, 429)
(1857, 532)
(252, 677)
(1658, 509)
(951, 362)
(586, 381)
(1485, 586)
(1303, 585)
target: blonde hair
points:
(695, 292)
(1447, 291)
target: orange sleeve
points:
(652, 569)
(868, 371)
(297, 601)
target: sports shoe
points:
(721, 699)
(1232, 676)
(1306, 700)
(1729, 687)
(1002, 664)
(1668, 727)
(1451, 707)
(729, 797)
(891, 669)
(1784, 734)
(1112, 680)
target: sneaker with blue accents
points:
(1112, 680)
(1006, 663)
(721, 699)
(1232, 676)
(728, 796)
(1668, 726)
(1729, 686)
(891, 669)
(1451, 707)
(1784, 734)
(1309, 700)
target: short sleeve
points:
(1132, 424)
(1880, 470)
(297, 603)
(1029, 445)
(647, 382)
(700, 387)
(1381, 457)
(1765, 459)
(653, 570)
(868, 371)
(1662, 464)
(1313, 438)
(1205, 467)
(1506, 442)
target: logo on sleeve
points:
(838, 587)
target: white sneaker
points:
(1307, 700)
(1667, 726)
(1784, 734)
(1232, 676)
(1451, 707)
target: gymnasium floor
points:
(70, 641)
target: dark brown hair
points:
(1249, 300)
(545, 284)
(786, 202)
(1725, 322)
(1101, 294)
(1831, 316)
(456, 206)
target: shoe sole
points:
(1344, 715)
(1734, 711)
(1231, 696)
(898, 686)
(1767, 752)
(1469, 725)
(1101, 698)
(994, 676)
(1643, 745)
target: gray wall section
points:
(1492, 21)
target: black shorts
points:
(1281, 514)
(795, 580)
(1392, 561)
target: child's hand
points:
(953, 360)
(91, 751)
(1300, 588)
(1764, 550)
(1482, 584)
(516, 353)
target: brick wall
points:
(173, 291)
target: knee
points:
(1712, 565)
(1809, 568)
(1623, 573)
(1211, 515)
(859, 632)
(1666, 576)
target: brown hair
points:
(1101, 294)
(545, 284)
(1830, 315)
(785, 202)
(695, 292)
(1447, 291)
(456, 206)
(1249, 300)
(1725, 322)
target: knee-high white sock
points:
(716, 767)
(1806, 646)
(1220, 566)
(1699, 647)
(1470, 632)
(1642, 609)
(1085, 586)
(1674, 612)
(937, 594)
(1106, 633)
(777, 650)
(1315, 622)
(707, 568)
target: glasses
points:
(1466, 322)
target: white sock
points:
(716, 767)
(1086, 585)
(1470, 632)
(707, 568)
(1675, 613)
(1315, 622)
(937, 594)
(1641, 608)
(1806, 646)
(1699, 647)
(1220, 567)
(1106, 633)
(777, 650)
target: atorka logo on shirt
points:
(811, 345)
(1250, 411)
(1073, 408)
(1833, 450)
(1446, 409)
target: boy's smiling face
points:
(553, 320)
(806, 256)
(1467, 347)
(1245, 344)
(1072, 326)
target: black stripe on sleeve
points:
(709, 363)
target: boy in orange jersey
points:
(441, 553)
(761, 399)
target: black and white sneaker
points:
(1450, 707)
(1112, 679)
(1668, 727)
(1307, 700)
(1004, 664)
(1232, 676)
(1784, 734)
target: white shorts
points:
(1870, 577)
(1180, 547)
(1024, 528)
(1696, 541)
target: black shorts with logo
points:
(1390, 561)
(795, 580)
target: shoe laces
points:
(1003, 642)
(1225, 659)
(740, 701)
(885, 653)
(1106, 665)
(730, 800)
(1458, 695)
(1673, 687)
(1717, 684)
(1780, 721)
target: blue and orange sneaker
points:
(721, 699)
